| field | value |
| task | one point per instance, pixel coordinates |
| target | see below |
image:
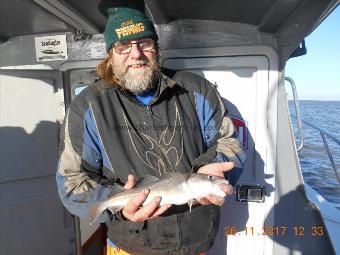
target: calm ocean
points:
(316, 167)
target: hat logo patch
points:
(129, 27)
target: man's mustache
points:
(137, 62)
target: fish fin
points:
(190, 202)
(146, 180)
(115, 209)
(97, 210)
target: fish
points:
(173, 188)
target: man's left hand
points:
(216, 169)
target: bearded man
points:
(139, 120)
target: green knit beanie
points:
(127, 24)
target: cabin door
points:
(248, 83)
(33, 220)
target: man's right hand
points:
(133, 210)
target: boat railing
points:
(324, 135)
(297, 110)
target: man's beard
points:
(137, 80)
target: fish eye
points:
(210, 177)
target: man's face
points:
(138, 68)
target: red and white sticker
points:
(242, 131)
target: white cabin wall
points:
(292, 208)
(19, 51)
(26, 102)
(33, 218)
(248, 78)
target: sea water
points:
(315, 164)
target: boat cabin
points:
(49, 50)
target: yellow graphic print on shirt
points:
(163, 150)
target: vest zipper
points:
(148, 108)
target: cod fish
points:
(173, 188)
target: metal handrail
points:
(324, 135)
(297, 110)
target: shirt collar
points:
(166, 82)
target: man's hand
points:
(134, 211)
(216, 169)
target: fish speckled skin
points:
(173, 188)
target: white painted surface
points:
(330, 215)
(33, 219)
(26, 67)
(21, 97)
(249, 83)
